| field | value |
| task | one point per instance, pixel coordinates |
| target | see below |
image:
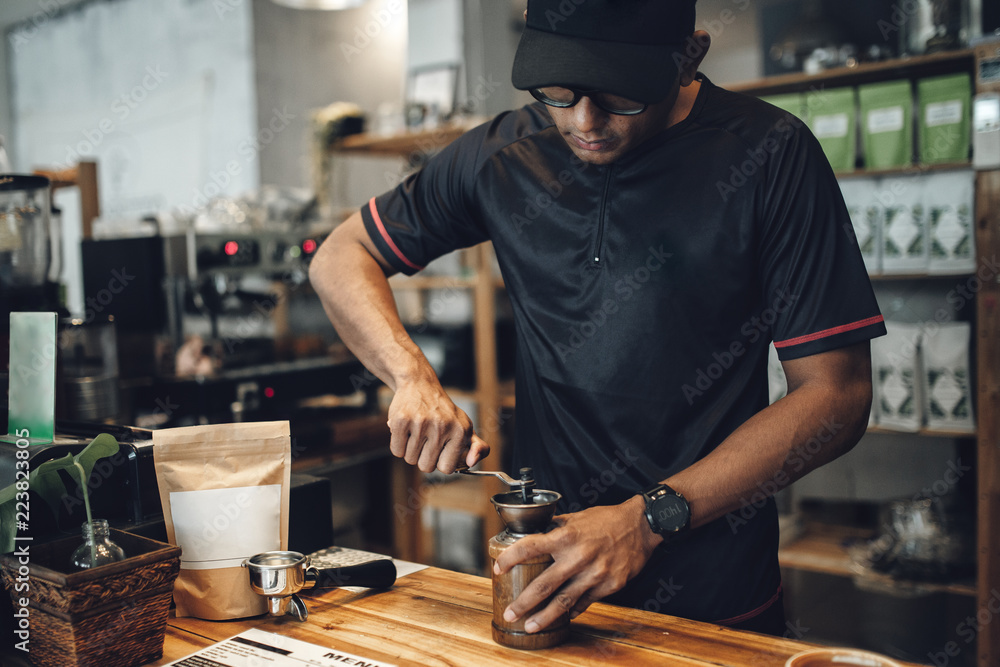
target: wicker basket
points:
(110, 616)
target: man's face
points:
(599, 137)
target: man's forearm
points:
(426, 428)
(821, 418)
(355, 293)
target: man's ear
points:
(695, 50)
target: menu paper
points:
(253, 648)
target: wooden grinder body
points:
(507, 586)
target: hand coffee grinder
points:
(524, 511)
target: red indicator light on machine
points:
(269, 392)
(309, 246)
(231, 248)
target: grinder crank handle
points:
(525, 485)
(379, 573)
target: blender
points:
(25, 255)
(25, 244)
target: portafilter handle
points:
(379, 573)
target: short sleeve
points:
(433, 211)
(817, 291)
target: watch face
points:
(670, 513)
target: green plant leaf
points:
(101, 446)
(46, 482)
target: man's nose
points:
(588, 116)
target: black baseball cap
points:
(623, 47)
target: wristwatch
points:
(667, 511)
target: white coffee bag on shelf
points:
(946, 374)
(897, 387)
(904, 225)
(865, 210)
(950, 198)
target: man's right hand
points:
(430, 431)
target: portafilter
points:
(280, 575)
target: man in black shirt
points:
(655, 234)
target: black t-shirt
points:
(645, 294)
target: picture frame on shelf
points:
(431, 93)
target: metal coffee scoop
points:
(526, 484)
(280, 575)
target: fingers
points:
(478, 450)
(432, 433)
(585, 568)
(547, 587)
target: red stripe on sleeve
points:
(385, 236)
(828, 332)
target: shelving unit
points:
(820, 549)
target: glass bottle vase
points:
(97, 548)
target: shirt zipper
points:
(598, 247)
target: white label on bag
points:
(943, 113)
(218, 528)
(889, 119)
(832, 126)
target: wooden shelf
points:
(507, 394)
(888, 277)
(822, 550)
(909, 170)
(923, 432)
(405, 143)
(898, 68)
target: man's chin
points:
(596, 157)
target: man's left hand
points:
(596, 551)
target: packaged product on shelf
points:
(896, 368)
(947, 386)
(793, 103)
(950, 199)
(904, 225)
(777, 383)
(830, 115)
(886, 124)
(866, 213)
(944, 118)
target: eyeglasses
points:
(562, 98)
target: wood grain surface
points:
(436, 617)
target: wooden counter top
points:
(437, 617)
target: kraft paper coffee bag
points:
(224, 490)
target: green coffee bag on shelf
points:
(792, 103)
(944, 120)
(830, 115)
(886, 124)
